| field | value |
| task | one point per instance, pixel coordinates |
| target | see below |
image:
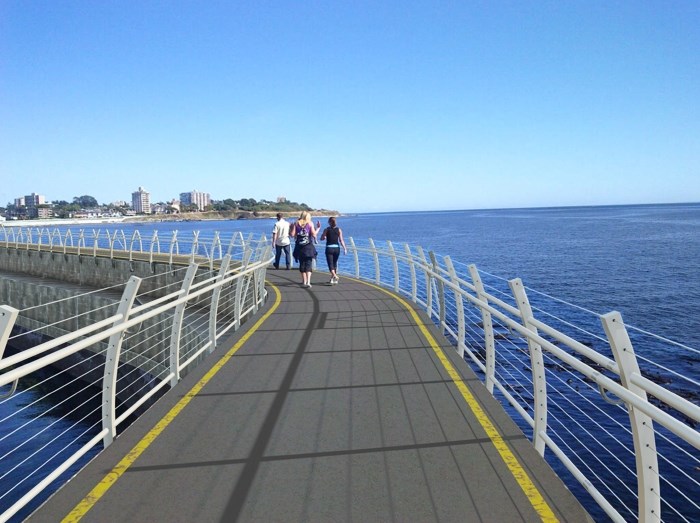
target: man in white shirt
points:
(280, 239)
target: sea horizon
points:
(194, 216)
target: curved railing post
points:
(440, 289)
(355, 256)
(412, 268)
(195, 246)
(81, 242)
(41, 234)
(56, 232)
(649, 494)
(215, 296)
(539, 383)
(375, 255)
(69, 236)
(232, 243)
(8, 316)
(395, 263)
(110, 240)
(262, 271)
(17, 238)
(459, 304)
(174, 246)
(134, 236)
(428, 282)
(95, 241)
(489, 339)
(154, 242)
(29, 238)
(240, 281)
(215, 244)
(114, 346)
(258, 276)
(176, 331)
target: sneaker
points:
(331, 281)
(335, 280)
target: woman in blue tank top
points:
(334, 240)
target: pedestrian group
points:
(306, 236)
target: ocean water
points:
(641, 260)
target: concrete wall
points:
(69, 283)
(95, 272)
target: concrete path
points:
(336, 403)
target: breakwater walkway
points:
(335, 403)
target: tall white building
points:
(33, 200)
(141, 201)
(201, 199)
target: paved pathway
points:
(336, 403)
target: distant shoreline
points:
(153, 218)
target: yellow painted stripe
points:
(111, 478)
(533, 494)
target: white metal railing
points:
(615, 420)
(612, 427)
(109, 369)
(118, 242)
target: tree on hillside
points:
(85, 202)
(247, 203)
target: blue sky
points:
(354, 106)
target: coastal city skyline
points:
(425, 106)
(199, 197)
(38, 206)
(140, 200)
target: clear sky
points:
(357, 106)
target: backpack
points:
(302, 237)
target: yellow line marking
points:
(533, 494)
(111, 478)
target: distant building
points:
(200, 199)
(141, 201)
(19, 202)
(44, 212)
(281, 199)
(34, 200)
(32, 203)
(158, 208)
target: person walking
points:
(305, 252)
(280, 239)
(334, 240)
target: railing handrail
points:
(443, 279)
(249, 295)
(442, 285)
